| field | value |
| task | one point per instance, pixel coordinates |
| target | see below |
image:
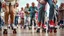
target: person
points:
(33, 9)
(41, 11)
(16, 14)
(27, 14)
(61, 14)
(21, 15)
(55, 11)
(9, 10)
(53, 23)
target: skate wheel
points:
(14, 31)
(5, 31)
(50, 31)
(34, 28)
(55, 31)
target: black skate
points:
(14, 31)
(5, 31)
(38, 30)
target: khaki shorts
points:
(12, 3)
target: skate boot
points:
(44, 27)
(5, 29)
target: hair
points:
(62, 4)
(55, 1)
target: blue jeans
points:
(1, 22)
(41, 13)
(32, 18)
(16, 20)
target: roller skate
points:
(52, 26)
(45, 28)
(14, 29)
(5, 31)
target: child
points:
(33, 9)
(27, 14)
(21, 15)
(53, 22)
(16, 14)
(9, 10)
(61, 14)
(41, 13)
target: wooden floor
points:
(26, 32)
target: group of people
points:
(27, 14)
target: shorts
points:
(12, 3)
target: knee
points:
(7, 10)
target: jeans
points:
(31, 21)
(16, 20)
(41, 12)
(1, 22)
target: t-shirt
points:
(32, 11)
(21, 14)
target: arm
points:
(36, 9)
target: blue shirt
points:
(32, 11)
